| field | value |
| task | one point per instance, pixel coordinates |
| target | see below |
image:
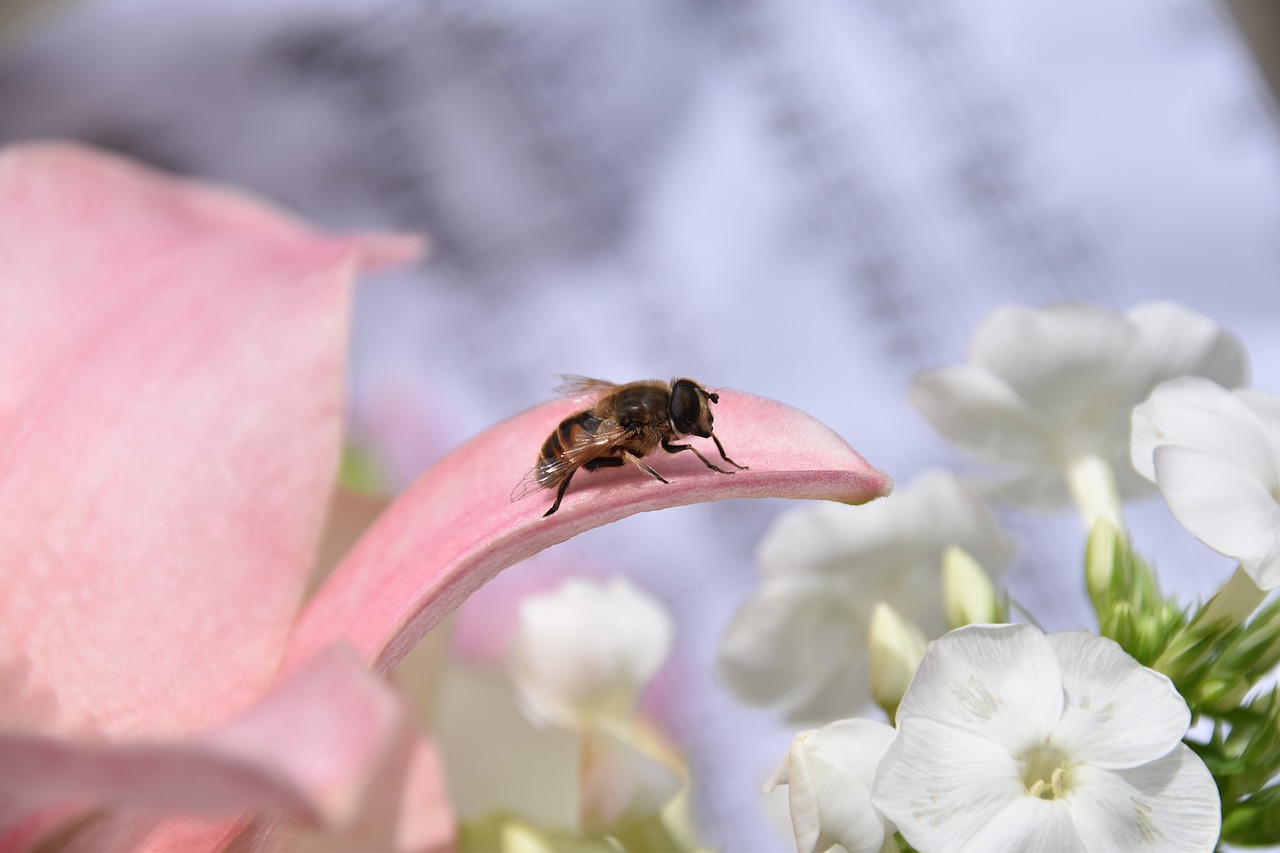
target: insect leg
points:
(559, 495)
(635, 460)
(676, 448)
(720, 447)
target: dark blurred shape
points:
(1259, 23)
(17, 16)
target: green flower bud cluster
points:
(1216, 656)
(1125, 596)
(1243, 754)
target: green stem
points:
(650, 834)
(1232, 604)
(1092, 484)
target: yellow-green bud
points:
(1100, 561)
(967, 594)
(896, 647)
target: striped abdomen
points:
(572, 431)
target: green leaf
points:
(1254, 821)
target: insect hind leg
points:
(559, 495)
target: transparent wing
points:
(572, 385)
(550, 473)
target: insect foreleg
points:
(676, 448)
(720, 447)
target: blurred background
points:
(810, 202)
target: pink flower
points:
(171, 364)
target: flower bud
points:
(1220, 695)
(967, 594)
(896, 647)
(828, 774)
(585, 651)
(1102, 561)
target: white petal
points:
(587, 649)
(1029, 823)
(979, 413)
(1001, 681)
(822, 538)
(1144, 438)
(1224, 505)
(1182, 341)
(887, 544)
(1039, 488)
(941, 783)
(1118, 713)
(952, 514)
(798, 643)
(1168, 805)
(1265, 407)
(828, 773)
(1047, 488)
(934, 511)
(1076, 365)
(1266, 572)
(1197, 413)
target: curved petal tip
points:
(457, 527)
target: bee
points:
(624, 423)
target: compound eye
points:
(686, 407)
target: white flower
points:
(828, 775)
(1215, 454)
(1011, 740)
(560, 744)
(589, 779)
(1048, 393)
(585, 652)
(800, 642)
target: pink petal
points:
(172, 358)
(456, 527)
(307, 751)
(405, 808)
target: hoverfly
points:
(624, 423)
